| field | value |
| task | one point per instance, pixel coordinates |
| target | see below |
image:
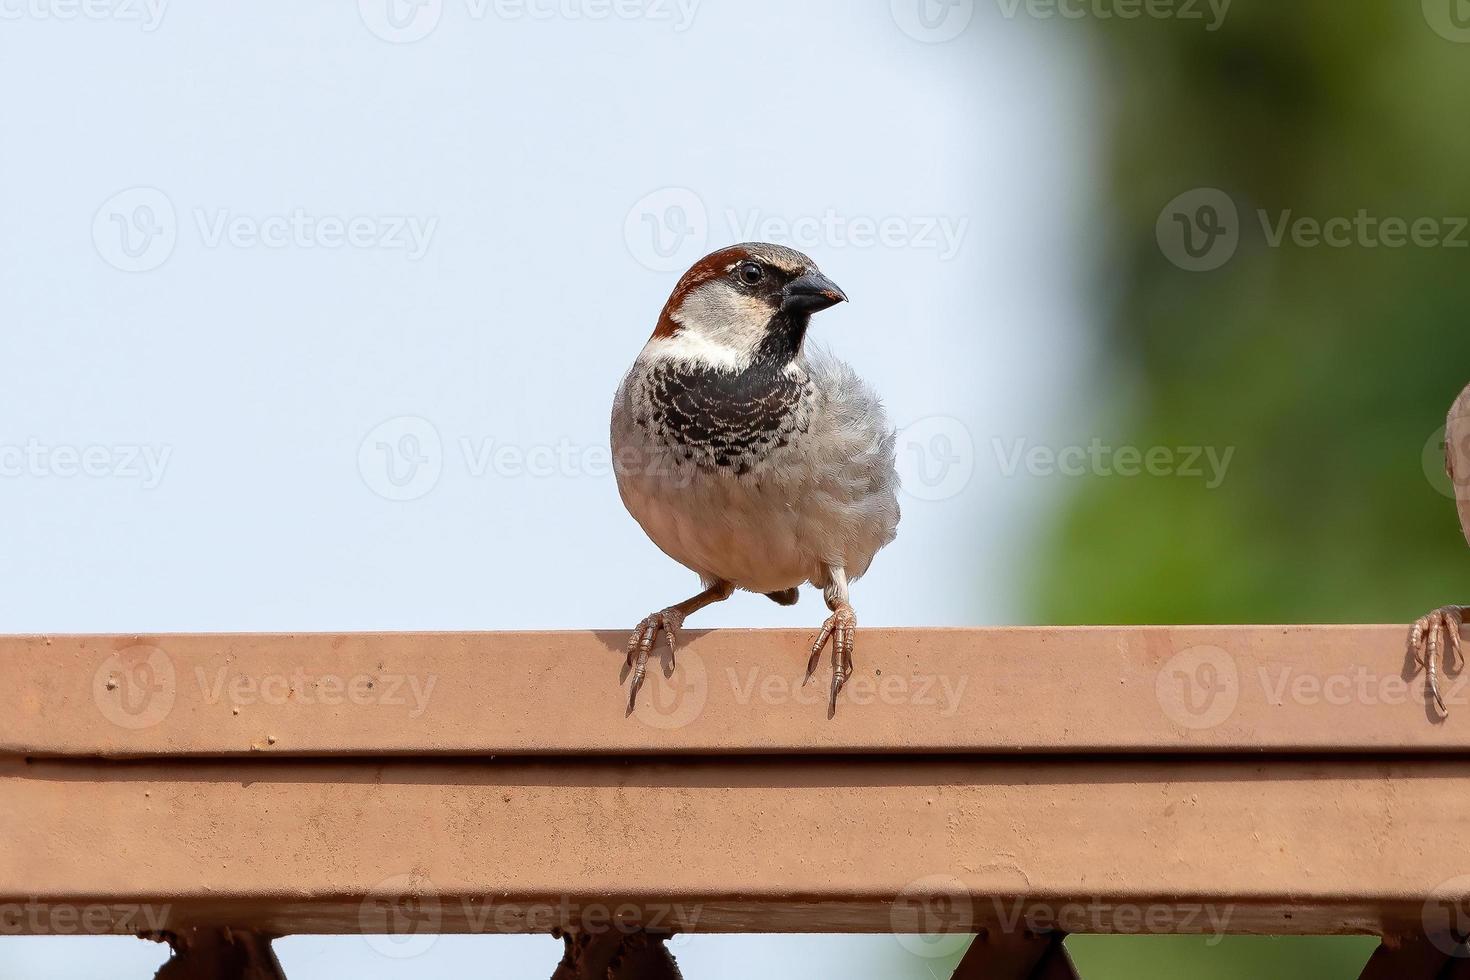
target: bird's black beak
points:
(810, 293)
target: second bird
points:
(750, 457)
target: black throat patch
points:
(726, 420)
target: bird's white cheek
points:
(725, 318)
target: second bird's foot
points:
(841, 628)
(1432, 653)
(640, 646)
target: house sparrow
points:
(749, 457)
(1424, 636)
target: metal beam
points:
(1056, 965)
(1017, 954)
(615, 955)
(1178, 690)
(1405, 958)
(1430, 954)
(1276, 780)
(819, 844)
(219, 954)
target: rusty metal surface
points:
(821, 844)
(1324, 689)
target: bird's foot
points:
(841, 628)
(640, 646)
(1435, 655)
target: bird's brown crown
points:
(722, 263)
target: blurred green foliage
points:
(1328, 369)
(1231, 958)
(1178, 958)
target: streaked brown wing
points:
(1457, 456)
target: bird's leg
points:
(670, 621)
(841, 628)
(1424, 644)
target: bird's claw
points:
(640, 646)
(1425, 645)
(841, 628)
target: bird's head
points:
(744, 303)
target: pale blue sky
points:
(238, 241)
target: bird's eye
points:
(750, 273)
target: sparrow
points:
(752, 458)
(1425, 635)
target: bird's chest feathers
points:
(722, 420)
